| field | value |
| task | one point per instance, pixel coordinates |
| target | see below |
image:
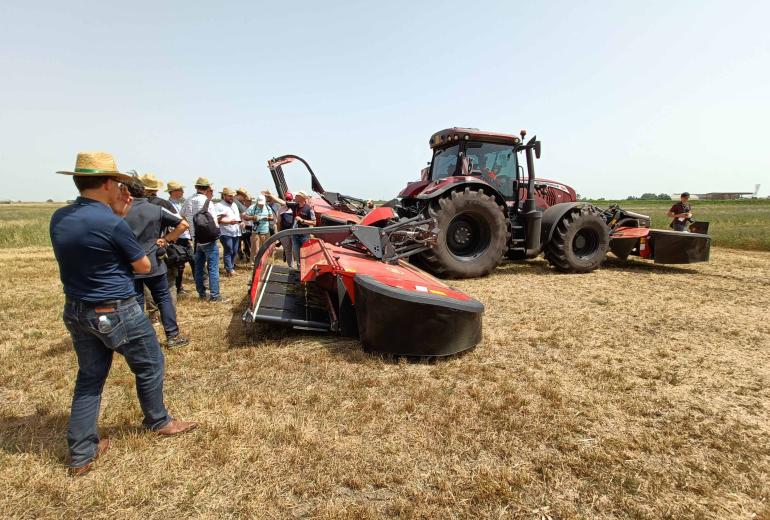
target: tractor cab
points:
(460, 152)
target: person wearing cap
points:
(230, 227)
(175, 192)
(206, 254)
(260, 214)
(148, 221)
(681, 212)
(97, 256)
(243, 201)
(285, 214)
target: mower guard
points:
(360, 286)
(662, 246)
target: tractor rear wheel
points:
(579, 243)
(472, 237)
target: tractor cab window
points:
(444, 162)
(497, 163)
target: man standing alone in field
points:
(97, 255)
(681, 212)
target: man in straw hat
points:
(175, 192)
(230, 226)
(148, 221)
(243, 201)
(151, 187)
(98, 255)
(206, 254)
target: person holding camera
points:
(681, 212)
(148, 221)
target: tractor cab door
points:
(497, 164)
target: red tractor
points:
(486, 208)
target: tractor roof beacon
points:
(487, 208)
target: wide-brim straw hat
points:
(227, 191)
(302, 194)
(202, 182)
(96, 164)
(242, 191)
(150, 182)
(173, 186)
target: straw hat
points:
(227, 191)
(96, 164)
(173, 186)
(242, 191)
(202, 182)
(150, 182)
(302, 194)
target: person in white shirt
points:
(206, 254)
(229, 218)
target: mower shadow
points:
(632, 265)
(258, 335)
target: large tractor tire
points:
(579, 243)
(472, 238)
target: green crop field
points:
(739, 224)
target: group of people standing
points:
(119, 247)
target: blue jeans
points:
(207, 257)
(129, 333)
(230, 246)
(296, 245)
(158, 286)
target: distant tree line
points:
(650, 196)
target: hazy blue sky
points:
(626, 97)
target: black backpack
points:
(206, 229)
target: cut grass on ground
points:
(638, 391)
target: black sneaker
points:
(177, 341)
(219, 299)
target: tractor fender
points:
(553, 214)
(438, 190)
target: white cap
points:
(261, 199)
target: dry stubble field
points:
(636, 391)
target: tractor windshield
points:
(444, 162)
(497, 163)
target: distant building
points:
(724, 195)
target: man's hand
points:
(161, 242)
(121, 206)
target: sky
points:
(626, 97)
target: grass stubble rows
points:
(637, 391)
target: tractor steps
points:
(285, 300)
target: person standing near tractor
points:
(260, 215)
(98, 255)
(206, 249)
(681, 212)
(229, 218)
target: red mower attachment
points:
(362, 286)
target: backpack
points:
(177, 255)
(206, 229)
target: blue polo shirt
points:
(95, 249)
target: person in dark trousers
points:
(303, 216)
(175, 192)
(681, 212)
(98, 255)
(243, 201)
(148, 221)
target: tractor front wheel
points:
(579, 243)
(472, 237)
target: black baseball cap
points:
(685, 194)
